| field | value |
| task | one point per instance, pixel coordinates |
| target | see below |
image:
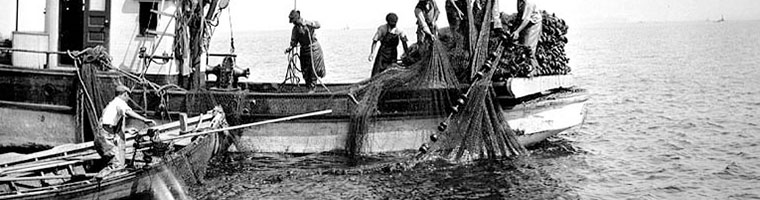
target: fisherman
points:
(458, 15)
(529, 31)
(312, 62)
(110, 140)
(389, 36)
(427, 13)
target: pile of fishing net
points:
(550, 52)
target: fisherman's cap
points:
(122, 89)
(391, 18)
(294, 14)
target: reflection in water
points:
(166, 186)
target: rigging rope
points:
(232, 36)
(313, 69)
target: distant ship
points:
(721, 20)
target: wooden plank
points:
(68, 148)
(250, 125)
(84, 155)
(88, 175)
(175, 125)
(58, 150)
(49, 165)
(163, 13)
(521, 87)
(10, 155)
(222, 55)
(182, 122)
(160, 33)
(33, 51)
(36, 106)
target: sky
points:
(369, 14)
(248, 15)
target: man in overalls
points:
(110, 139)
(389, 37)
(312, 61)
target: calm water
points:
(673, 116)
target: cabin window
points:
(148, 19)
(98, 5)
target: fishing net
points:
(474, 126)
(478, 130)
(429, 81)
(197, 102)
(94, 93)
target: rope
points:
(290, 74)
(311, 56)
(232, 36)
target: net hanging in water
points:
(431, 81)
(478, 130)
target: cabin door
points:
(70, 26)
(96, 22)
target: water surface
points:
(672, 116)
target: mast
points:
(17, 1)
(192, 39)
(196, 44)
(189, 46)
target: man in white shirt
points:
(110, 139)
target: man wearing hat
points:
(389, 37)
(312, 61)
(110, 139)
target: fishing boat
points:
(398, 127)
(536, 107)
(721, 20)
(161, 160)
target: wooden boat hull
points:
(36, 127)
(43, 104)
(165, 177)
(538, 121)
(402, 127)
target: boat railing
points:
(47, 53)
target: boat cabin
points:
(124, 27)
(37, 76)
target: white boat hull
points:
(401, 133)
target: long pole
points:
(17, 15)
(251, 124)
